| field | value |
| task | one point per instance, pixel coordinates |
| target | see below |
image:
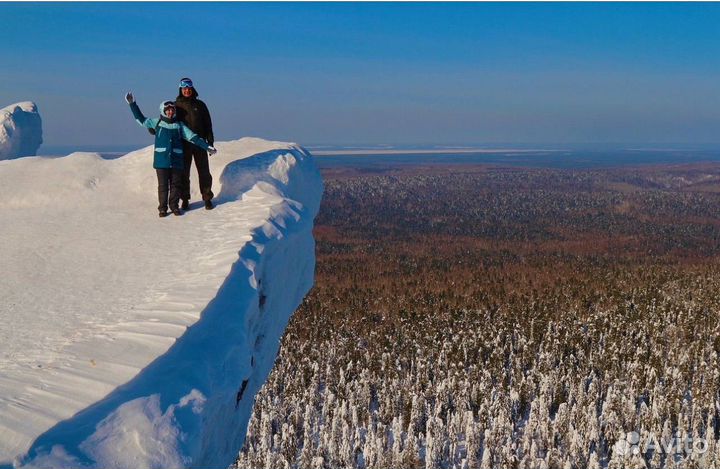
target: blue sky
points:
(409, 73)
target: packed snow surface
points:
(20, 130)
(126, 337)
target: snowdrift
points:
(20, 130)
(134, 341)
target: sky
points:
(372, 73)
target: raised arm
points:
(137, 113)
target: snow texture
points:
(126, 337)
(20, 130)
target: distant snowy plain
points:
(126, 338)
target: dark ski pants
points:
(169, 187)
(200, 156)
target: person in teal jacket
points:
(168, 158)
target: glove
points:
(211, 151)
(129, 98)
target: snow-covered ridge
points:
(126, 337)
(20, 130)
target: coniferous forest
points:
(482, 317)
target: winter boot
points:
(163, 213)
(209, 205)
(176, 211)
(185, 204)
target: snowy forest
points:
(481, 317)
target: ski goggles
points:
(186, 83)
(168, 104)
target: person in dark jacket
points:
(194, 114)
(168, 161)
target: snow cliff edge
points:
(141, 342)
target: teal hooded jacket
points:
(168, 138)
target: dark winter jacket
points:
(168, 138)
(194, 113)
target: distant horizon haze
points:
(376, 148)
